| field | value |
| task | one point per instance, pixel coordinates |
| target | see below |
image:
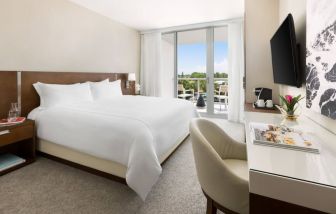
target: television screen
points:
(285, 54)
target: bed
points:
(126, 136)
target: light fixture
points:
(131, 77)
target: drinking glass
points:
(11, 116)
(14, 112)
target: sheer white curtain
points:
(168, 65)
(151, 71)
(236, 72)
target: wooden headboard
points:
(8, 91)
(31, 100)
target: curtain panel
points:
(151, 71)
(236, 72)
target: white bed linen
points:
(131, 130)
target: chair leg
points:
(211, 209)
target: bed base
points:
(101, 173)
(82, 167)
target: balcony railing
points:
(198, 90)
(220, 99)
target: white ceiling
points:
(154, 14)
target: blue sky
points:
(192, 57)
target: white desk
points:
(296, 177)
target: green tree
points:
(192, 84)
(198, 75)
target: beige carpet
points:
(50, 187)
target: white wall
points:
(298, 10)
(261, 22)
(58, 35)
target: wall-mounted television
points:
(285, 54)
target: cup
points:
(269, 103)
(260, 103)
(11, 116)
(13, 112)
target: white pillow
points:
(53, 95)
(106, 90)
(38, 90)
(37, 85)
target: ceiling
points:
(154, 14)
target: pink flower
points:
(289, 98)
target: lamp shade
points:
(131, 77)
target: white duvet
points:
(131, 130)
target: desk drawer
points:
(8, 136)
(299, 194)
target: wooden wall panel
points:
(31, 100)
(8, 91)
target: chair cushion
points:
(222, 97)
(184, 95)
(237, 167)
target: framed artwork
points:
(321, 57)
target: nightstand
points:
(20, 141)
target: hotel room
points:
(147, 106)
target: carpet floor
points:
(47, 186)
(51, 187)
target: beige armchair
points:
(221, 167)
(185, 94)
(222, 94)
